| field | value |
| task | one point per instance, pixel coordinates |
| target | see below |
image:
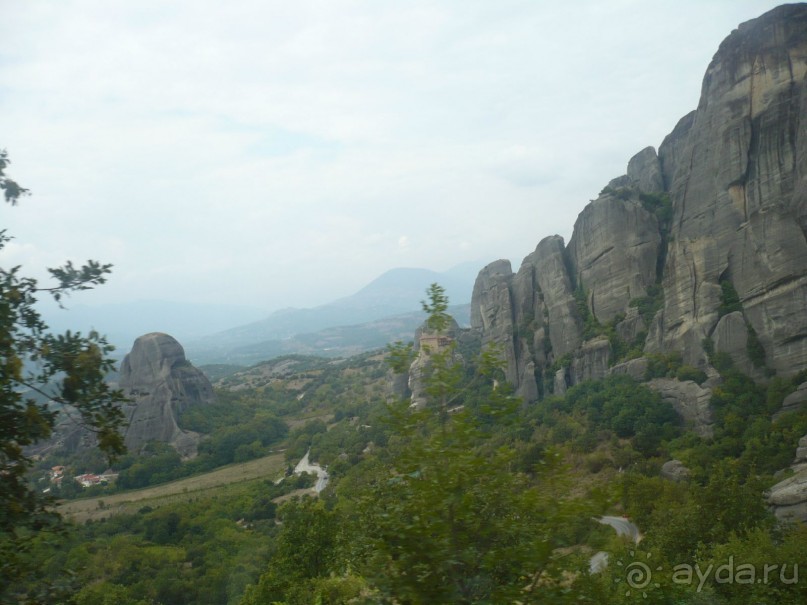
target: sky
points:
(279, 154)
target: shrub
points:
(687, 372)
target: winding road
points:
(304, 466)
(623, 527)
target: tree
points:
(40, 375)
(439, 516)
(436, 308)
(305, 550)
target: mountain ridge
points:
(395, 292)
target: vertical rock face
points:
(738, 192)
(644, 171)
(735, 172)
(731, 336)
(532, 316)
(614, 250)
(562, 319)
(161, 384)
(492, 312)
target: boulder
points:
(801, 452)
(795, 401)
(689, 400)
(789, 497)
(161, 383)
(674, 470)
(635, 368)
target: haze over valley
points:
(422, 303)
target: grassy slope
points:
(220, 482)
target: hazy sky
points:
(286, 153)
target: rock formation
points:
(427, 344)
(614, 251)
(674, 470)
(739, 195)
(721, 208)
(161, 383)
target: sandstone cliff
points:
(719, 213)
(161, 384)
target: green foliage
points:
(400, 356)
(438, 320)
(443, 521)
(157, 463)
(661, 365)
(591, 327)
(659, 204)
(783, 554)
(756, 352)
(305, 549)
(11, 190)
(679, 519)
(729, 299)
(620, 405)
(649, 304)
(68, 370)
(686, 372)
(202, 552)
(239, 429)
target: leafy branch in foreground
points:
(41, 374)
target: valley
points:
(220, 483)
(585, 427)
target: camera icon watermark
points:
(638, 576)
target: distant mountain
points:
(337, 341)
(122, 323)
(396, 292)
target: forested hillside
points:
(624, 421)
(473, 498)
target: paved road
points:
(623, 527)
(304, 466)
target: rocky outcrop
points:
(731, 336)
(795, 401)
(428, 344)
(738, 195)
(531, 316)
(161, 383)
(614, 251)
(644, 171)
(674, 470)
(561, 317)
(789, 498)
(492, 313)
(690, 400)
(591, 361)
(650, 261)
(635, 368)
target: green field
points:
(220, 482)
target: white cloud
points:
(275, 151)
